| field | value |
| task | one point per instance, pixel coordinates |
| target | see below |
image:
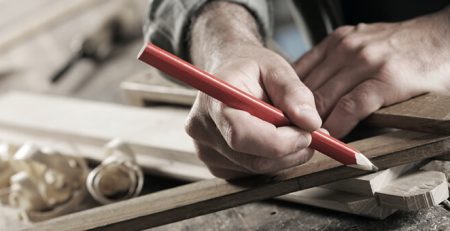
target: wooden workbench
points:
(30, 70)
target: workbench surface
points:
(25, 67)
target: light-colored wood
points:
(426, 113)
(438, 165)
(150, 87)
(73, 120)
(212, 195)
(368, 184)
(415, 191)
(340, 201)
(41, 19)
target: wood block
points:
(426, 113)
(415, 191)
(368, 184)
(340, 201)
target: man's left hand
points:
(358, 69)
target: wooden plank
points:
(340, 201)
(415, 191)
(426, 113)
(94, 123)
(212, 195)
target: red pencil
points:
(233, 97)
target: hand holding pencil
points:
(271, 149)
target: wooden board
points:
(212, 195)
(426, 113)
(88, 122)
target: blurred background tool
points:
(121, 27)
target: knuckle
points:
(202, 156)
(341, 32)
(304, 141)
(361, 98)
(191, 125)
(387, 68)
(367, 54)
(360, 26)
(348, 44)
(347, 105)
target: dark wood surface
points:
(29, 65)
(426, 113)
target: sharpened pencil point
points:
(363, 163)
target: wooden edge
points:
(213, 195)
(426, 113)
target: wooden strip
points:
(426, 113)
(212, 195)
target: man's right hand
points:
(232, 142)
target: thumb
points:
(289, 94)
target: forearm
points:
(219, 26)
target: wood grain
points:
(340, 201)
(415, 191)
(368, 184)
(426, 113)
(212, 195)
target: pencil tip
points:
(363, 163)
(374, 168)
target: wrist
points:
(218, 32)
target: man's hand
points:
(357, 70)
(232, 142)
